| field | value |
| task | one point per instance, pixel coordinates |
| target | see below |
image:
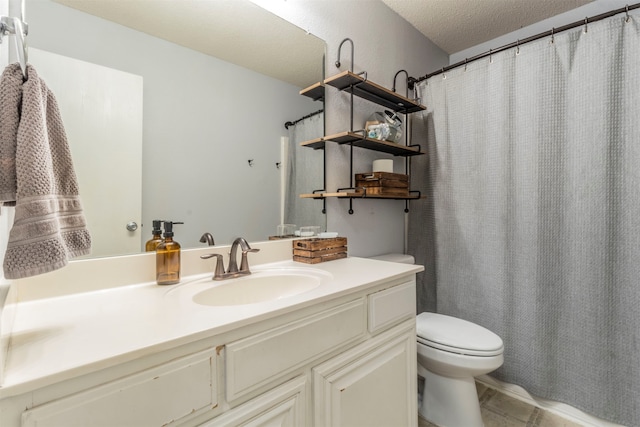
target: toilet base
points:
(449, 402)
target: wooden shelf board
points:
(373, 144)
(357, 195)
(315, 91)
(373, 92)
(312, 196)
(316, 144)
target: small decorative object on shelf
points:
(316, 250)
(383, 183)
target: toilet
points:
(451, 352)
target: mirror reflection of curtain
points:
(304, 174)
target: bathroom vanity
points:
(340, 353)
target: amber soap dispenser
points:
(156, 238)
(168, 257)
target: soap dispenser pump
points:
(168, 257)
(153, 243)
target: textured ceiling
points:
(455, 25)
(236, 31)
(243, 33)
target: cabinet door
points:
(283, 406)
(373, 384)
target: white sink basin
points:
(260, 286)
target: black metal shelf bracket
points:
(352, 52)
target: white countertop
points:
(59, 338)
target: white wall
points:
(384, 44)
(597, 7)
(202, 123)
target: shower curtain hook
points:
(490, 57)
(465, 64)
(518, 47)
(553, 30)
(444, 76)
(586, 19)
(626, 11)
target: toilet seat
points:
(457, 335)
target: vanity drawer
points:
(260, 359)
(154, 397)
(390, 306)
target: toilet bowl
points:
(451, 352)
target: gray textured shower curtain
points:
(304, 174)
(531, 225)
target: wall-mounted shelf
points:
(373, 92)
(316, 144)
(315, 91)
(374, 144)
(358, 195)
(357, 85)
(359, 141)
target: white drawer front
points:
(392, 305)
(154, 397)
(256, 360)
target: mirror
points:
(217, 80)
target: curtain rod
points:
(287, 124)
(518, 43)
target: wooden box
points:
(315, 250)
(383, 183)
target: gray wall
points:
(202, 122)
(384, 44)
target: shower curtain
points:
(304, 174)
(531, 224)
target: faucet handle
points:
(219, 272)
(244, 263)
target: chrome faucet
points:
(208, 239)
(232, 271)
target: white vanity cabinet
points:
(343, 361)
(353, 364)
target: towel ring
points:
(21, 45)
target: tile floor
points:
(500, 410)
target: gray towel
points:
(36, 174)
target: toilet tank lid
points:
(401, 258)
(457, 333)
